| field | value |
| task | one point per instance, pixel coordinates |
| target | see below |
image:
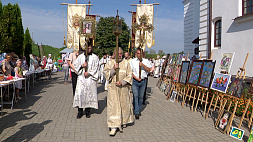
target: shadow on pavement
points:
(28, 132)
(12, 119)
(101, 106)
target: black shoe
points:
(140, 114)
(87, 114)
(79, 115)
(137, 116)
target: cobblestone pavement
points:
(48, 115)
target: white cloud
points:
(46, 26)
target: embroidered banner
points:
(148, 11)
(76, 12)
(133, 31)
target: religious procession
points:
(106, 82)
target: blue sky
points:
(44, 18)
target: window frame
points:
(215, 33)
(243, 7)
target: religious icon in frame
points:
(224, 120)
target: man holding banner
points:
(139, 82)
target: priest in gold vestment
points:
(119, 99)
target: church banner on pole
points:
(133, 31)
(146, 10)
(76, 12)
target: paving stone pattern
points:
(48, 115)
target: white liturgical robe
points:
(86, 88)
(119, 99)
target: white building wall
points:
(236, 36)
(191, 25)
(204, 28)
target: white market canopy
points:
(66, 50)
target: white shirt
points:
(134, 63)
(50, 65)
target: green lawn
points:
(48, 50)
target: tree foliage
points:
(27, 44)
(12, 33)
(151, 51)
(106, 40)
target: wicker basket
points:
(1, 78)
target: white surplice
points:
(86, 88)
(102, 77)
(157, 68)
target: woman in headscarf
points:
(6, 65)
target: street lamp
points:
(117, 29)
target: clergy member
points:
(86, 88)
(157, 67)
(119, 99)
(102, 63)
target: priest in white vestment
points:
(86, 88)
(157, 67)
(102, 63)
(119, 99)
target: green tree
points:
(7, 28)
(151, 51)
(160, 52)
(12, 29)
(18, 37)
(106, 40)
(27, 45)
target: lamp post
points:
(117, 29)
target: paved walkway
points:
(48, 115)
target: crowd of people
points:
(126, 88)
(13, 66)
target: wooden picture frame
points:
(224, 120)
(170, 70)
(195, 72)
(176, 73)
(207, 70)
(251, 87)
(184, 72)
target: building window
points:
(247, 6)
(217, 38)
